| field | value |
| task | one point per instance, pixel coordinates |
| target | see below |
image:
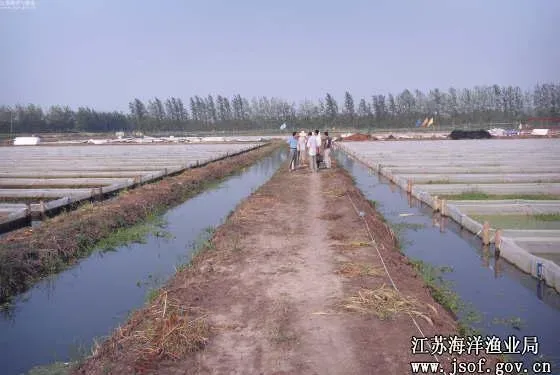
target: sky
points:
(104, 53)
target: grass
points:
(165, 330)
(548, 217)
(514, 322)
(442, 294)
(542, 221)
(152, 225)
(399, 229)
(385, 303)
(440, 290)
(202, 243)
(152, 295)
(281, 331)
(57, 368)
(350, 269)
(475, 195)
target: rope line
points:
(385, 267)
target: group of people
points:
(314, 146)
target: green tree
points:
(349, 110)
(331, 108)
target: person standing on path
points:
(327, 142)
(318, 140)
(293, 142)
(302, 143)
(312, 147)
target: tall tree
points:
(156, 110)
(138, 113)
(392, 106)
(331, 108)
(212, 113)
(349, 107)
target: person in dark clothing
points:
(327, 143)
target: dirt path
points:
(275, 287)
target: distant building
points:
(26, 141)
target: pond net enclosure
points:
(38, 180)
(505, 191)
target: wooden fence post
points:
(486, 233)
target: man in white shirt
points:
(318, 137)
(312, 147)
(302, 142)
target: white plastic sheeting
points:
(26, 141)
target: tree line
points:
(475, 106)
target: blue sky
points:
(103, 53)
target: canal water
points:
(508, 301)
(59, 318)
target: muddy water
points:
(59, 318)
(509, 301)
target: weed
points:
(281, 331)
(235, 245)
(474, 195)
(442, 294)
(398, 228)
(359, 269)
(515, 322)
(152, 295)
(440, 290)
(134, 234)
(57, 368)
(359, 244)
(385, 302)
(548, 217)
(521, 221)
(330, 216)
(164, 330)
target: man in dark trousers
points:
(292, 141)
(327, 143)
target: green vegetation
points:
(440, 290)
(399, 230)
(201, 244)
(152, 294)
(152, 225)
(515, 322)
(57, 368)
(548, 217)
(218, 113)
(475, 195)
(545, 221)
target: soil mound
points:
(470, 134)
(358, 137)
